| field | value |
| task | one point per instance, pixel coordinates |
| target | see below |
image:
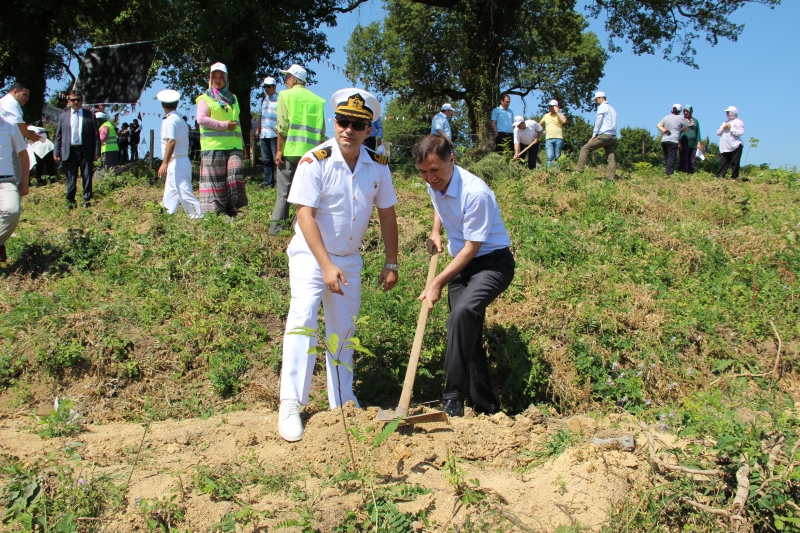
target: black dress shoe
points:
(87, 205)
(453, 407)
(3, 256)
(70, 207)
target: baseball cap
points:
(599, 94)
(447, 107)
(219, 66)
(555, 102)
(168, 96)
(297, 71)
(677, 106)
(356, 103)
(519, 119)
(732, 109)
(269, 80)
(100, 114)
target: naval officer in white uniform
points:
(335, 188)
(176, 169)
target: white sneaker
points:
(289, 424)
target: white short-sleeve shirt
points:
(469, 212)
(11, 141)
(343, 198)
(174, 127)
(528, 134)
(10, 109)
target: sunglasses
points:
(345, 123)
(75, 99)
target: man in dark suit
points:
(78, 145)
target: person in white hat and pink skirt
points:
(730, 143)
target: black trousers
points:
(532, 153)
(504, 142)
(470, 293)
(670, 156)
(732, 159)
(72, 165)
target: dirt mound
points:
(579, 485)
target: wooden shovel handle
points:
(416, 347)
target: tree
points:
(473, 52)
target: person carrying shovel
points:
(481, 269)
(335, 188)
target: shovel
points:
(387, 415)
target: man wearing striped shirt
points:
(268, 137)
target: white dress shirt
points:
(469, 212)
(175, 128)
(10, 109)
(76, 126)
(343, 198)
(528, 134)
(606, 123)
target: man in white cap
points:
(526, 133)
(552, 122)
(176, 169)
(265, 130)
(441, 122)
(730, 143)
(335, 188)
(301, 126)
(671, 127)
(604, 135)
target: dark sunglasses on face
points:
(76, 99)
(345, 123)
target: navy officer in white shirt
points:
(176, 169)
(481, 269)
(335, 188)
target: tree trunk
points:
(31, 72)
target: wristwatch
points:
(392, 266)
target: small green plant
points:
(554, 446)
(246, 517)
(63, 421)
(221, 483)
(305, 520)
(162, 514)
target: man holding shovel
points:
(481, 269)
(335, 188)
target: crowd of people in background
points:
(288, 124)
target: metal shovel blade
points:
(387, 415)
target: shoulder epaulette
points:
(381, 159)
(322, 153)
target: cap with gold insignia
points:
(356, 103)
(168, 96)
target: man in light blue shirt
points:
(481, 269)
(374, 140)
(604, 135)
(441, 123)
(503, 124)
(268, 138)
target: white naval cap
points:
(356, 103)
(168, 96)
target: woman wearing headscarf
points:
(730, 143)
(689, 140)
(221, 176)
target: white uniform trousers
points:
(308, 290)
(178, 188)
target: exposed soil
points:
(578, 486)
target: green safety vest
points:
(220, 140)
(306, 114)
(110, 144)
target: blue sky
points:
(756, 74)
